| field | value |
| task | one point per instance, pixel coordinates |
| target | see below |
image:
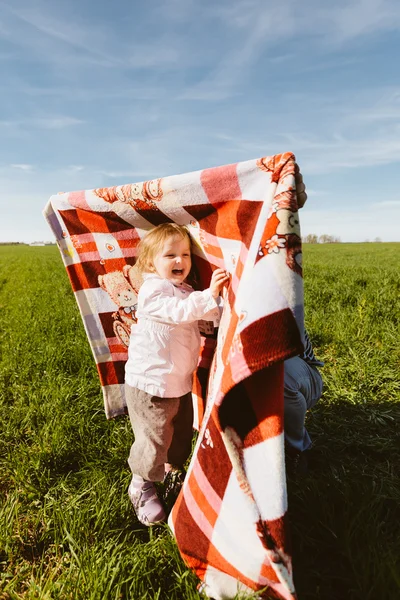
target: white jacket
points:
(165, 343)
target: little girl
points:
(163, 353)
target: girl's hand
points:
(218, 280)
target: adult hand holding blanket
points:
(229, 520)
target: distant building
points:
(37, 244)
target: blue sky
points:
(96, 93)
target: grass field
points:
(67, 530)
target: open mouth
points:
(177, 271)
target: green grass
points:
(67, 530)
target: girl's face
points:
(173, 261)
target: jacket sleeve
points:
(215, 315)
(157, 302)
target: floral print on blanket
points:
(282, 231)
(140, 196)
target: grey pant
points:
(302, 390)
(163, 429)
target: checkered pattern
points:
(230, 518)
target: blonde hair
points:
(153, 242)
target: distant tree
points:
(377, 239)
(12, 244)
(328, 239)
(311, 238)
(324, 239)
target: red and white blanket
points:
(230, 519)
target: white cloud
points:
(159, 53)
(384, 106)
(71, 33)
(56, 34)
(320, 154)
(387, 204)
(86, 94)
(263, 25)
(344, 130)
(55, 122)
(261, 28)
(281, 58)
(361, 17)
(127, 173)
(330, 155)
(22, 166)
(312, 193)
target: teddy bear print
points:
(288, 222)
(289, 226)
(152, 190)
(124, 295)
(294, 254)
(134, 276)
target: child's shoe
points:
(173, 482)
(147, 505)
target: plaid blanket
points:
(230, 518)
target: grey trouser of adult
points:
(302, 389)
(163, 429)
